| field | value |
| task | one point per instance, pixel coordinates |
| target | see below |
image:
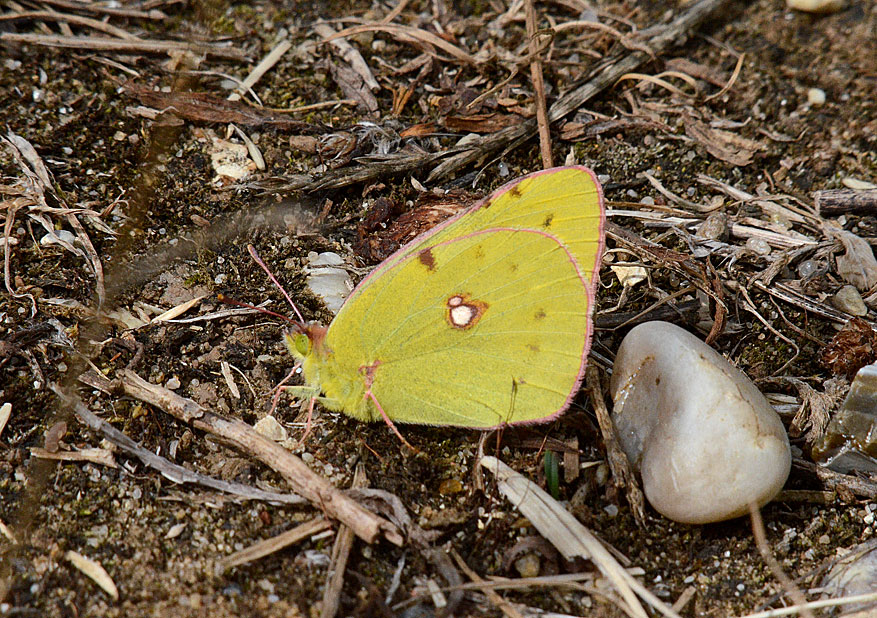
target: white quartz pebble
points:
(705, 440)
(327, 280)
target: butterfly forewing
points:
(565, 202)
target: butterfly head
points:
(306, 339)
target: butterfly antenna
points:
(231, 301)
(274, 280)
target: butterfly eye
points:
(299, 344)
(302, 344)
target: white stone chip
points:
(327, 280)
(705, 440)
(269, 427)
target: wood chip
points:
(276, 543)
(100, 456)
(94, 571)
(177, 311)
(225, 368)
(5, 413)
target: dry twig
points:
(622, 472)
(538, 87)
(315, 488)
(274, 544)
(140, 46)
(171, 471)
(340, 554)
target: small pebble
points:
(856, 183)
(714, 227)
(63, 235)
(695, 426)
(611, 510)
(326, 280)
(450, 486)
(816, 6)
(528, 565)
(816, 96)
(758, 246)
(848, 299)
(173, 384)
(271, 429)
(647, 201)
(807, 268)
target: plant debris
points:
(145, 146)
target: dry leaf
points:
(353, 86)
(202, 107)
(816, 407)
(724, 145)
(851, 349)
(857, 265)
(428, 211)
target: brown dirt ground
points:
(68, 105)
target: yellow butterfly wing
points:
(566, 202)
(520, 266)
(478, 331)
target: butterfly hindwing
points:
(478, 330)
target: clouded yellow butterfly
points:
(483, 321)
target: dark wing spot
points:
(548, 220)
(540, 314)
(658, 381)
(533, 347)
(515, 191)
(427, 259)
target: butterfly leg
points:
(387, 420)
(310, 393)
(280, 388)
(308, 421)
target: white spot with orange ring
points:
(461, 315)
